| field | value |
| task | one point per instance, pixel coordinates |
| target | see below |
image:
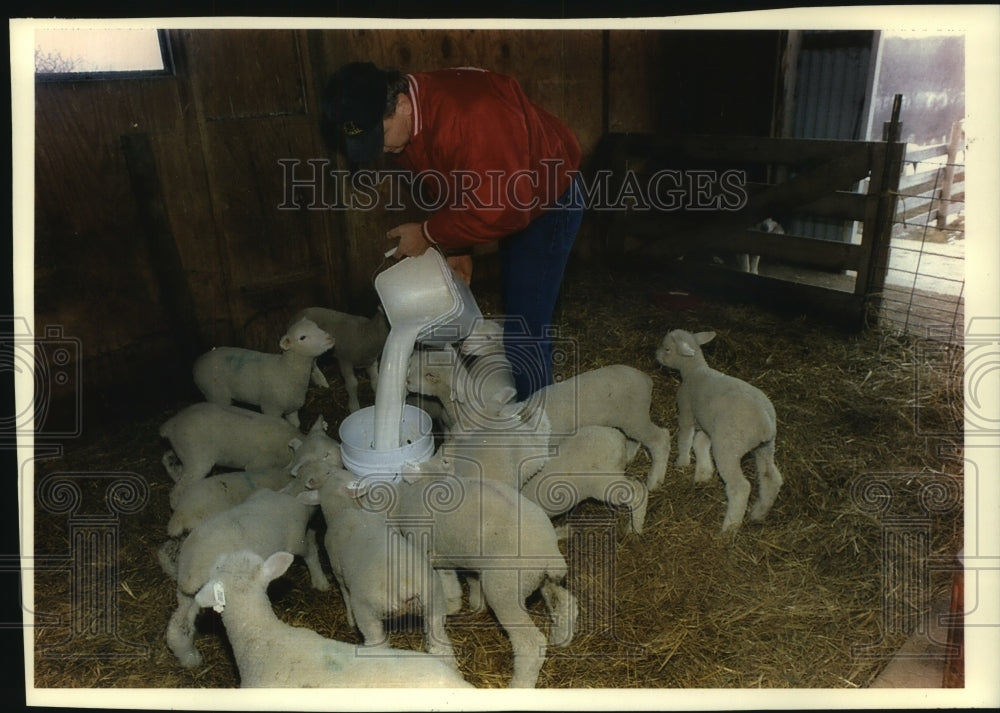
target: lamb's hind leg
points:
(502, 592)
(769, 481)
(563, 609)
(316, 575)
(657, 441)
(372, 371)
(436, 608)
(350, 384)
(180, 631)
(370, 624)
(703, 466)
(737, 487)
(622, 491)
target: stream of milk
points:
(390, 393)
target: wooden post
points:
(878, 228)
(605, 82)
(954, 665)
(178, 302)
(613, 157)
(943, 198)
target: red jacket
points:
(511, 156)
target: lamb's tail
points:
(172, 464)
(167, 554)
(167, 428)
(563, 609)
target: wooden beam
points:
(178, 302)
(801, 189)
(840, 205)
(784, 248)
(739, 149)
(844, 309)
(934, 151)
(800, 250)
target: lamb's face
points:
(487, 337)
(230, 570)
(240, 571)
(680, 349)
(306, 337)
(667, 353)
(310, 476)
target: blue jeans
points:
(534, 261)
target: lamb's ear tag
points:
(220, 596)
(356, 488)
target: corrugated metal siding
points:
(833, 76)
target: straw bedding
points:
(816, 596)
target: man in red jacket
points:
(498, 168)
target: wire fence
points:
(925, 277)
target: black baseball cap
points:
(354, 104)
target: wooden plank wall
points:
(254, 109)
(94, 277)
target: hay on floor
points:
(869, 438)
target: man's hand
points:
(411, 240)
(412, 243)
(462, 264)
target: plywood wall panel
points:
(247, 73)
(269, 248)
(636, 81)
(186, 195)
(92, 269)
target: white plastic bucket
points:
(357, 442)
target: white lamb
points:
(556, 475)
(486, 527)
(211, 496)
(380, 572)
(277, 383)
(206, 497)
(589, 465)
(509, 450)
(471, 390)
(267, 522)
(272, 654)
(618, 396)
(490, 371)
(204, 435)
(732, 418)
(315, 446)
(359, 342)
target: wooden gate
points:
(721, 188)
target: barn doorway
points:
(925, 274)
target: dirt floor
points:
(820, 595)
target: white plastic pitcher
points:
(425, 300)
